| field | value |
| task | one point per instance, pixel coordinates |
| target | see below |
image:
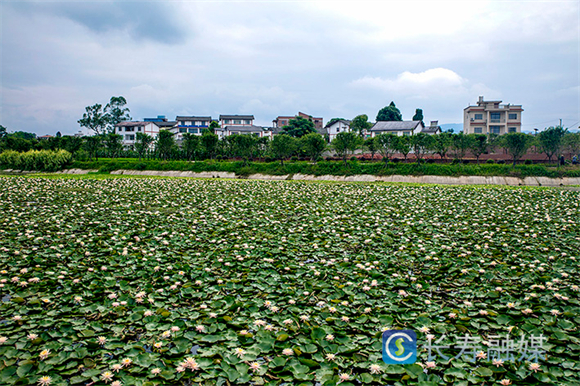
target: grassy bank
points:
(336, 168)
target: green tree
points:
(262, 146)
(213, 126)
(3, 132)
(421, 144)
(313, 145)
(298, 127)
(190, 145)
(516, 145)
(71, 144)
(550, 141)
(389, 113)
(283, 146)
(92, 145)
(418, 115)
(209, 141)
(360, 123)
(58, 134)
(460, 144)
(165, 144)
(478, 145)
(116, 112)
(441, 143)
(571, 143)
(404, 145)
(94, 119)
(372, 145)
(387, 145)
(244, 145)
(114, 144)
(143, 143)
(345, 143)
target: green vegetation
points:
(336, 168)
(40, 160)
(181, 282)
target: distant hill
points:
(457, 127)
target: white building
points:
(128, 130)
(399, 128)
(336, 127)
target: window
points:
(246, 122)
(226, 121)
(494, 129)
(477, 130)
(193, 131)
(237, 121)
(183, 130)
(513, 116)
(130, 129)
(119, 129)
(139, 128)
(495, 117)
(188, 123)
(478, 116)
(129, 137)
(338, 129)
(512, 130)
(406, 133)
(181, 123)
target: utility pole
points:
(560, 122)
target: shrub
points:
(10, 158)
(455, 161)
(490, 161)
(501, 161)
(395, 160)
(140, 166)
(294, 159)
(465, 162)
(430, 161)
(353, 158)
(319, 159)
(41, 160)
(528, 162)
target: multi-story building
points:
(129, 129)
(492, 117)
(240, 124)
(189, 124)
(282, 121)
(236, 120)
(336, 127)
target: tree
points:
(116, 112)
(262, 146)
(418, 116)
(244, 145)
(212, 126)
(359, 124)
(478, 145)
(71, 144)
(92, 145)
(516, 145)
(3, 132)
(421, 144)
(571, 142)
(190, 145)
(165, 144)
(372, 145)
(114, 143)
(142, 144)
(283, 146)
(94, 119)
(313, 145)
(550, 141)
(460, 145)
(345, 143)
(299, 127)
(404, 145)
(441, 143)
(389, 113)
(387, 145)
(209, 142)
(58, 134)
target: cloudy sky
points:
(269, 58)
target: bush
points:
(41, 160)
(353, 158)
(10, 158)
(528, 162)
(329, 158)
(319, 159)
(430, 161)
(294, 159)
(141, 166)
(455, 161)
(395, 160)
(465, 162)
(490, 161)
(501, 162)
